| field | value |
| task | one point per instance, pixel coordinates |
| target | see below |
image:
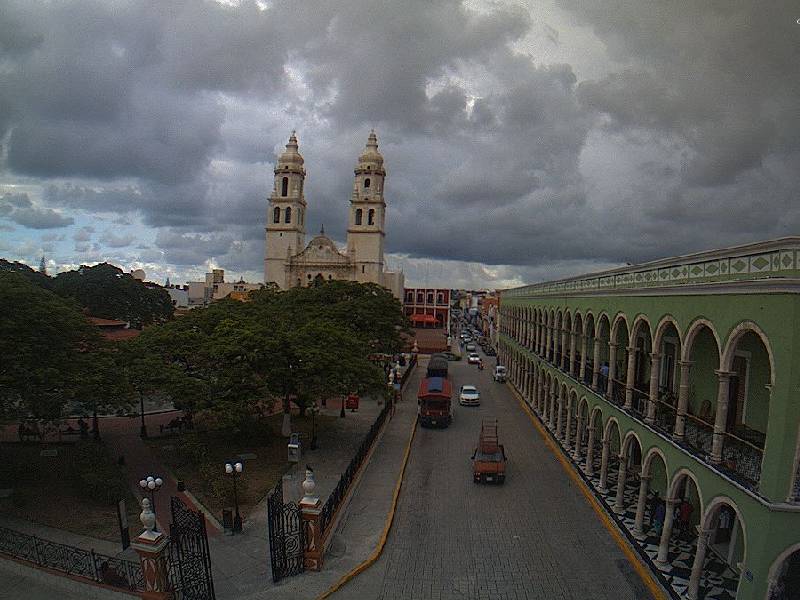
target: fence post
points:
(310, 512)
(153, 550)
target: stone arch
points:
(725, 535)
(620, 318)
(640, 321)
(676, 480)
(662, 327)
(785, 571)
(647, 462)
(627, 441)
(735, 335)
(695, 327)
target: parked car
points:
(471, 347)
(474, 359)
(499, 374)
(489, 351)
(469, 396)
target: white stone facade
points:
(289, 262)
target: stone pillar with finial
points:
(152, 547)
(310, 509)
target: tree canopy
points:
(301, 344)
(104, 290)
(50, 354)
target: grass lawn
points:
(47, 491)
(198, 460)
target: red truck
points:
(434, 401)
(489, 458)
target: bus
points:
(434, 401)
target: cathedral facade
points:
(290, 262)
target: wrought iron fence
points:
(340, 491)
(77, 562)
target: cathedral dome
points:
(290, 157)
(371, 156)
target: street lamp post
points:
(314, 409)
(234, 469)
(151, 484)
(143, 428)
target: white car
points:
(474, 359)
(469, 396)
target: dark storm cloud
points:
(19, 209)
(173, 112)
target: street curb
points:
(644, 572)
(376, 553)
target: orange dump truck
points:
(489, 458)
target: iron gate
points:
(190, 560)
(286, 540)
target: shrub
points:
(191, 451)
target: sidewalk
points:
(241, 563)
(362, 524)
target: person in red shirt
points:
(684, 514)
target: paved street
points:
(534, 537)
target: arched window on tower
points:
(359, 216)
(285, 186)
(371, 217)
(287, 215)
(276, 215)
(366, 182)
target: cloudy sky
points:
(523, 140)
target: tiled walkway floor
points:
(718, 582)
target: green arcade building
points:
(676, 383)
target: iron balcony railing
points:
(742, 460)
(639, 405)
(698, 435)
(617, 392)
(77, 562)
(665, 411)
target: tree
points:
(107, 292)
(44, 341)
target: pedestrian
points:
(657, 520)
(655, 499)
(604, 370)
(684, 514)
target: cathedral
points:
(290, 262)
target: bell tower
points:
(366, 225)
(286, 233)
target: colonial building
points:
(202, 293)
(427, 307)
(289, 262)
(680, 377)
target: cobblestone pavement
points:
(534, 537)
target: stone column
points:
(641, 504)
(573, 338)
(560, 418)
(568, 427)
(582, 372)
(588, 468)
(662, 561)
(612, 369)
(153, 550)
(552, 408)
(703, 536)
(596, 365)
(564, 355)
(721, 420)
(619, 501)
(604, 465)
(310, 509)
(576, 453)
(652, 403)
(683, 400)
(548, 351)
(629, 377)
